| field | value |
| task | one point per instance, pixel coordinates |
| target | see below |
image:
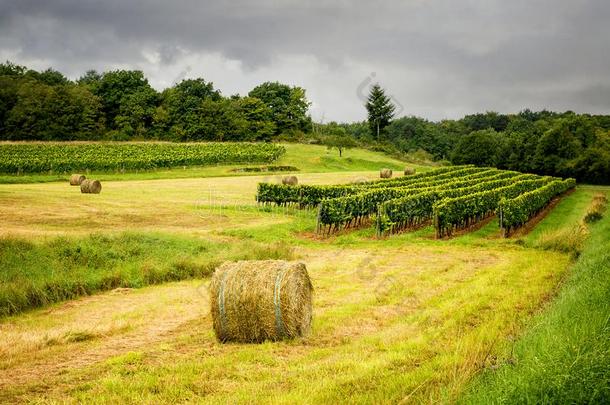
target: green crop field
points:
(457, 284)
(19, 158)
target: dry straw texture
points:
(84, 186)
(409, 171)
(596, 210)
(290, 180)
(76, 179)
(359, 180)
(257, 300)
(385, 173)
(91, 186)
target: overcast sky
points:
(437, 59)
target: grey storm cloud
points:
(437, 58)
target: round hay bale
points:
(290, 180)
(359, 180)
(95, 187)
(256, 300)
(409, 171)
(84, 186)
(76, 179)
(385, 173)
(90, 186)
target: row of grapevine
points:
(350, 210)
(436, 174)
(514, 212)
(311, 196)
(413, 210)
(304, 195)
(460, 212)
(70, 157)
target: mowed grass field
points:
(403, 319)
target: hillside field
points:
(105, 297)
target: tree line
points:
(122, 105)
(543, 142)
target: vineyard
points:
(21, 158)
(452, 198)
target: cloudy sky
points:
(436, 58)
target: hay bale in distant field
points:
(84, 186)
(385, 173)
(95, 187)
(256, 300)
(409, 171)
(290, 180)
(76, 179)
(359, 180)
(91, 186)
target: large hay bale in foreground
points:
(91, 186)
(257, 300)
(385, 173)
(409, 171)
(290, 180)
(76, 179)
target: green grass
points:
(35, 274)
(307, 158)
(401, 319)
(390, 323)
(568, 212)
(564, 356)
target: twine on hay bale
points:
(256, 300)
(76, 179)
(290, 180)
(385, 173)
(91, 186)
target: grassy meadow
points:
(105, 296)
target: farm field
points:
(402, 318)
(34, 157)
(305, 158)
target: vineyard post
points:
(501, 216)
(318, 218)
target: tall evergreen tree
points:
(380, 109)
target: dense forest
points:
(122, 105)
(559, 144)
